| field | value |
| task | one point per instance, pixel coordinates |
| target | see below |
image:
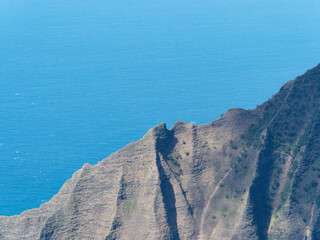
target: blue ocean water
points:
(80, 79)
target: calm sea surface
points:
(80, 79)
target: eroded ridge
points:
(251, 174)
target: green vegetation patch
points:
(130, 206)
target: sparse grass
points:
(130, 206)
(242, 154)
(233, 145)
(227, 212)
(173, 157)
(286, 191)
(174, 163)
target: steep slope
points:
(248, 175)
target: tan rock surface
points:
(243, 176)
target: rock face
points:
(249, 175)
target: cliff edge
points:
(252, 174)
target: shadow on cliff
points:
(165, 143)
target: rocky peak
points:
(251, 174)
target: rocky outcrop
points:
(252, 174)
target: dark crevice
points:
(117, 221)
(168, 200)
(190, 210)
(48, 230)
(165, 143)
(259, 191)
(310, 156)
(116, 224)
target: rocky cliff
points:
(252, 174)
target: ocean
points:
(81, 79)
